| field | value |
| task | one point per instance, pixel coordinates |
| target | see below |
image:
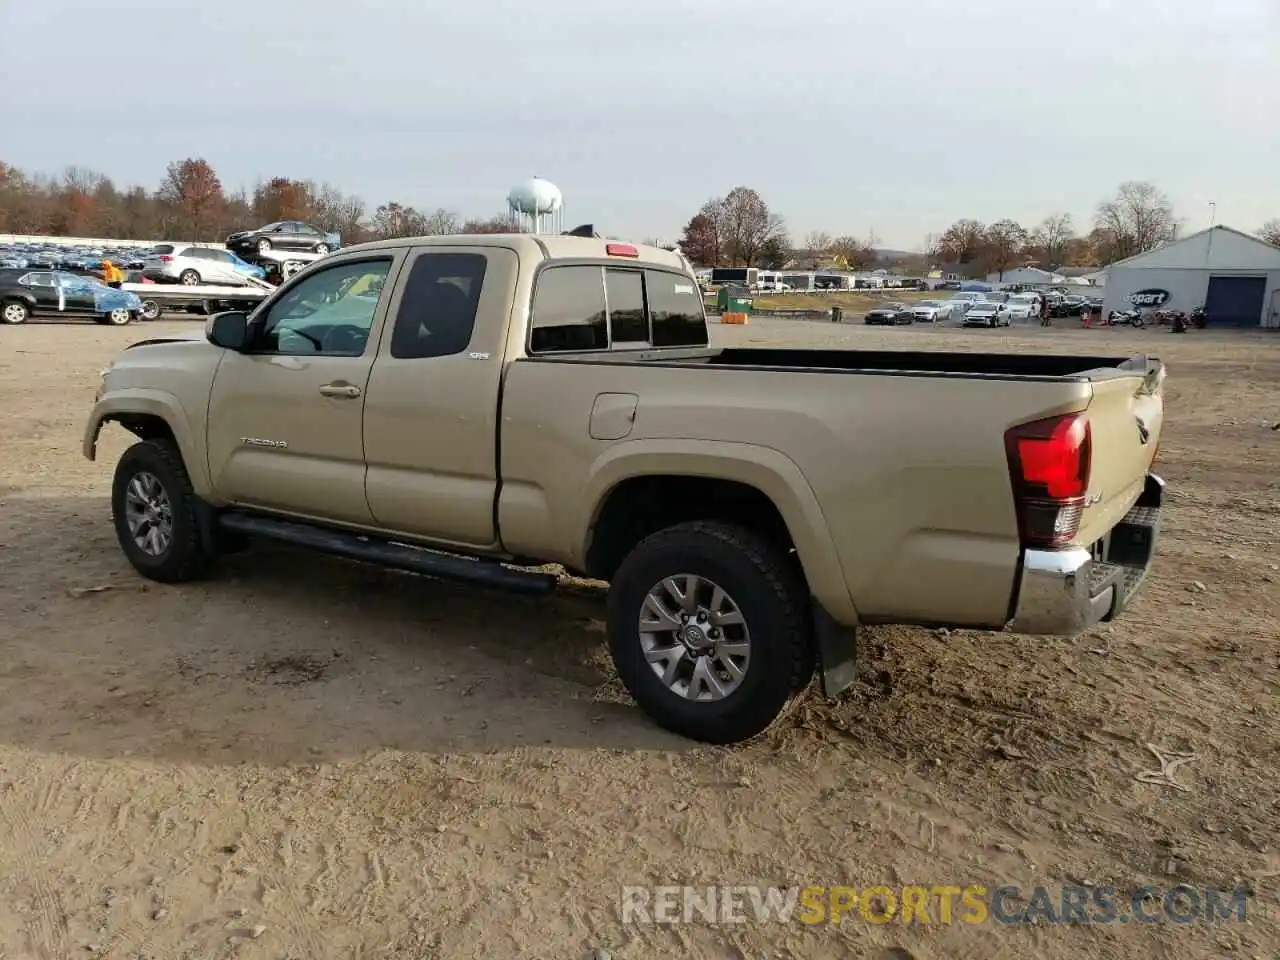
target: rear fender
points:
(772, 473)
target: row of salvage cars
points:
(974, 309)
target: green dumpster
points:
(733, 300)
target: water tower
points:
(537, 205)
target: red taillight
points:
(1049, 467)
(165, 258)
(621, 250)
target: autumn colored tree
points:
(700, 240)
(851, 253)
(283, 199)
(193, 191)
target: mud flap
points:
(837, 652)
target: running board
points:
(397, 556)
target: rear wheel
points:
(189, 278)
(322, 248)
(708, 631)
(150, 310)
(118, 317)
(264, 245)
(15, 312)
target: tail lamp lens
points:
(1049, 462)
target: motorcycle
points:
(1120, 318)
(1199, 317)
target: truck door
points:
(286, 415)
(431, 411)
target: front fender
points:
(767, 470)
(142, 401)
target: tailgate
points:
(1125, 416)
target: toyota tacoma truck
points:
(471, 408)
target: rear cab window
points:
(579, 307)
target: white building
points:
(1026, 276)
(1235, 276)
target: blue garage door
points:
(1235, 301)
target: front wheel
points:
(264, 245)
(154, 510)
(709, 632)
(1138, 322)
(118, 317)
(189, 278)
(322, 248)
(150, 310)
(15, 312)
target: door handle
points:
(345, 391)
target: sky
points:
(895, 117)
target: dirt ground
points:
(303, 758)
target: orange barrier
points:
(736, 318)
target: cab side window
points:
(437, 314)
(569, 310)
(330, 312)
(675, 310)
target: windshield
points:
(929, 303)
(892, 306)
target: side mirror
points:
(229, 330)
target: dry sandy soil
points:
(311, 759)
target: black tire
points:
(772, 597)
(185, 558)
(150, 310)
(322, 248)
(263, 244)
(188, 278)
(14, 312)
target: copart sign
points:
(1149, 298)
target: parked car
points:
(889, 314)
(284, 235)
(961, 302)
(52, 293)
(1072, 306)
(932, 311)
(987, 313)
(1023, 306)
(192, 265)
(492, 410)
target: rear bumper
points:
(1065, 592)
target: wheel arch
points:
(639, 487)
(151, 415)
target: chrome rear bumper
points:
(1065, 592)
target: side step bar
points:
(397, 556)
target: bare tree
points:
(817, 245)
(1005, 241)
(1270, 231)
(744, 225)
(962, 242)
(1052, 236)
(1137, 219)
(852, 254)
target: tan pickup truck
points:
(465, 407)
